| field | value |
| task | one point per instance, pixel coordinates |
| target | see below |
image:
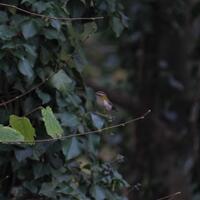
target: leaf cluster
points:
(35, 50)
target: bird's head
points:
(101, 95)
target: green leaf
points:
(22, 154)
(3, 17)
(40, 170)
(98, 122)
(62, 82)
(117, 26)
(71, 148)
(112, 5)
(54, 34)
(89, 29)
(98, 193)
(8, 134)
(43, 96)
(24, 126)
(29, 29)
(69, 120)
(47, 189)
(28, 1)
(56, 24)
(30, 50)
(6, 32)
(25, 67)
(52, 125)
(93, 143)
(41, 6)
(32, 186)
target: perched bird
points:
(103, 101)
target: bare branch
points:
(170, 196)
(24, 94)
(99, 131)
(51, 17)
(4, 103)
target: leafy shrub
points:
(41, 61)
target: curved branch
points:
(98, 131)
(50, 17)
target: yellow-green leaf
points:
(8, 134)
(24, 126)
(52, 125)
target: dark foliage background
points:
(155, 64)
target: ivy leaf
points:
(25, 67)
(40, 170)
(23, 154)
(52, 125)
(8, 134)
(56, 24)
(117, 26)
(48, 188)
(29, 29)
(71, 148)
(32, 186)
(98, 192)
(6, 32)
(43, 96)
(41, 6)
(69, 120)
(62, 82)
(89, 29)
(24, 126)
(52, 34)
(3, 17)
(29, 1)
(30, 50)
(98, 122)
(93, 143)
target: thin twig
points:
(33, 88)
(25, 93)
(99, 131)
(169, 196)
(32, 111)
(4, 103)
(51, 17)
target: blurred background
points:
(154, 64)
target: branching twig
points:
(4, 103)
(34, 110)
(25, 93)
(99, 131)
(169, 196)
(33, 88)
(50, 17)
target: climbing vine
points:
(43, 95)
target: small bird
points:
(103, 101)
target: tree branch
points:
(98, 131)
(50, 17)
(170, 196)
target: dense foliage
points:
(45, 57)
